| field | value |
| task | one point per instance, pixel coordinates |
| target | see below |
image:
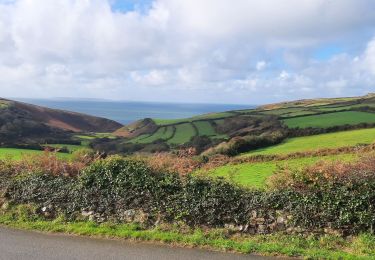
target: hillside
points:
(269, 124)
(23, 122)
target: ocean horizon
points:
(126, 112)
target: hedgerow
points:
(341, 198)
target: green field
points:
(16, 154)
(281, 111)
(315, 142)
(205, 128)
(184, 132)
(192, 119)
(162, 133)
(331, 119)
(300, 113)
(96, 135)
(254, 175)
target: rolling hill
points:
(25, 123)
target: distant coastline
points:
(129, 111)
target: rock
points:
(280, 227)
(87, 213)
(140, 217)
(244, 228)
(280, 220)
(233, 227)
(253, 214)
(251, 231)
(332, 231)
(262, 229)
(5, 205)
(48, 211)
(230, 226)
(128, 215)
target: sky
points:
(206, 51)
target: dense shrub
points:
(243, 144)
(114, 185)
(296, 132)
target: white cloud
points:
(261, 65)
(79, 48)
(369, 56)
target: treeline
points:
(297, 132)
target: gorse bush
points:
(314, 199)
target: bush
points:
(114, 185)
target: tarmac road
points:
(20, 245)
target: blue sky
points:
(214, 51)
(129, 5)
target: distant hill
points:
(22, 121)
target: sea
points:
(126, 112)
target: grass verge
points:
(311, 247)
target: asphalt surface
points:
(20, 245)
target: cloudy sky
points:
(216, 51)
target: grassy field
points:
(16, 154)
(205, 128)
(254, 175)
(332, 119)
(315, 142)
(184, 133)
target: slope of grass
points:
(315, 142)
(254, 175)
(332, 119)
(205, 128)
(183, 134)
(16, 154)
